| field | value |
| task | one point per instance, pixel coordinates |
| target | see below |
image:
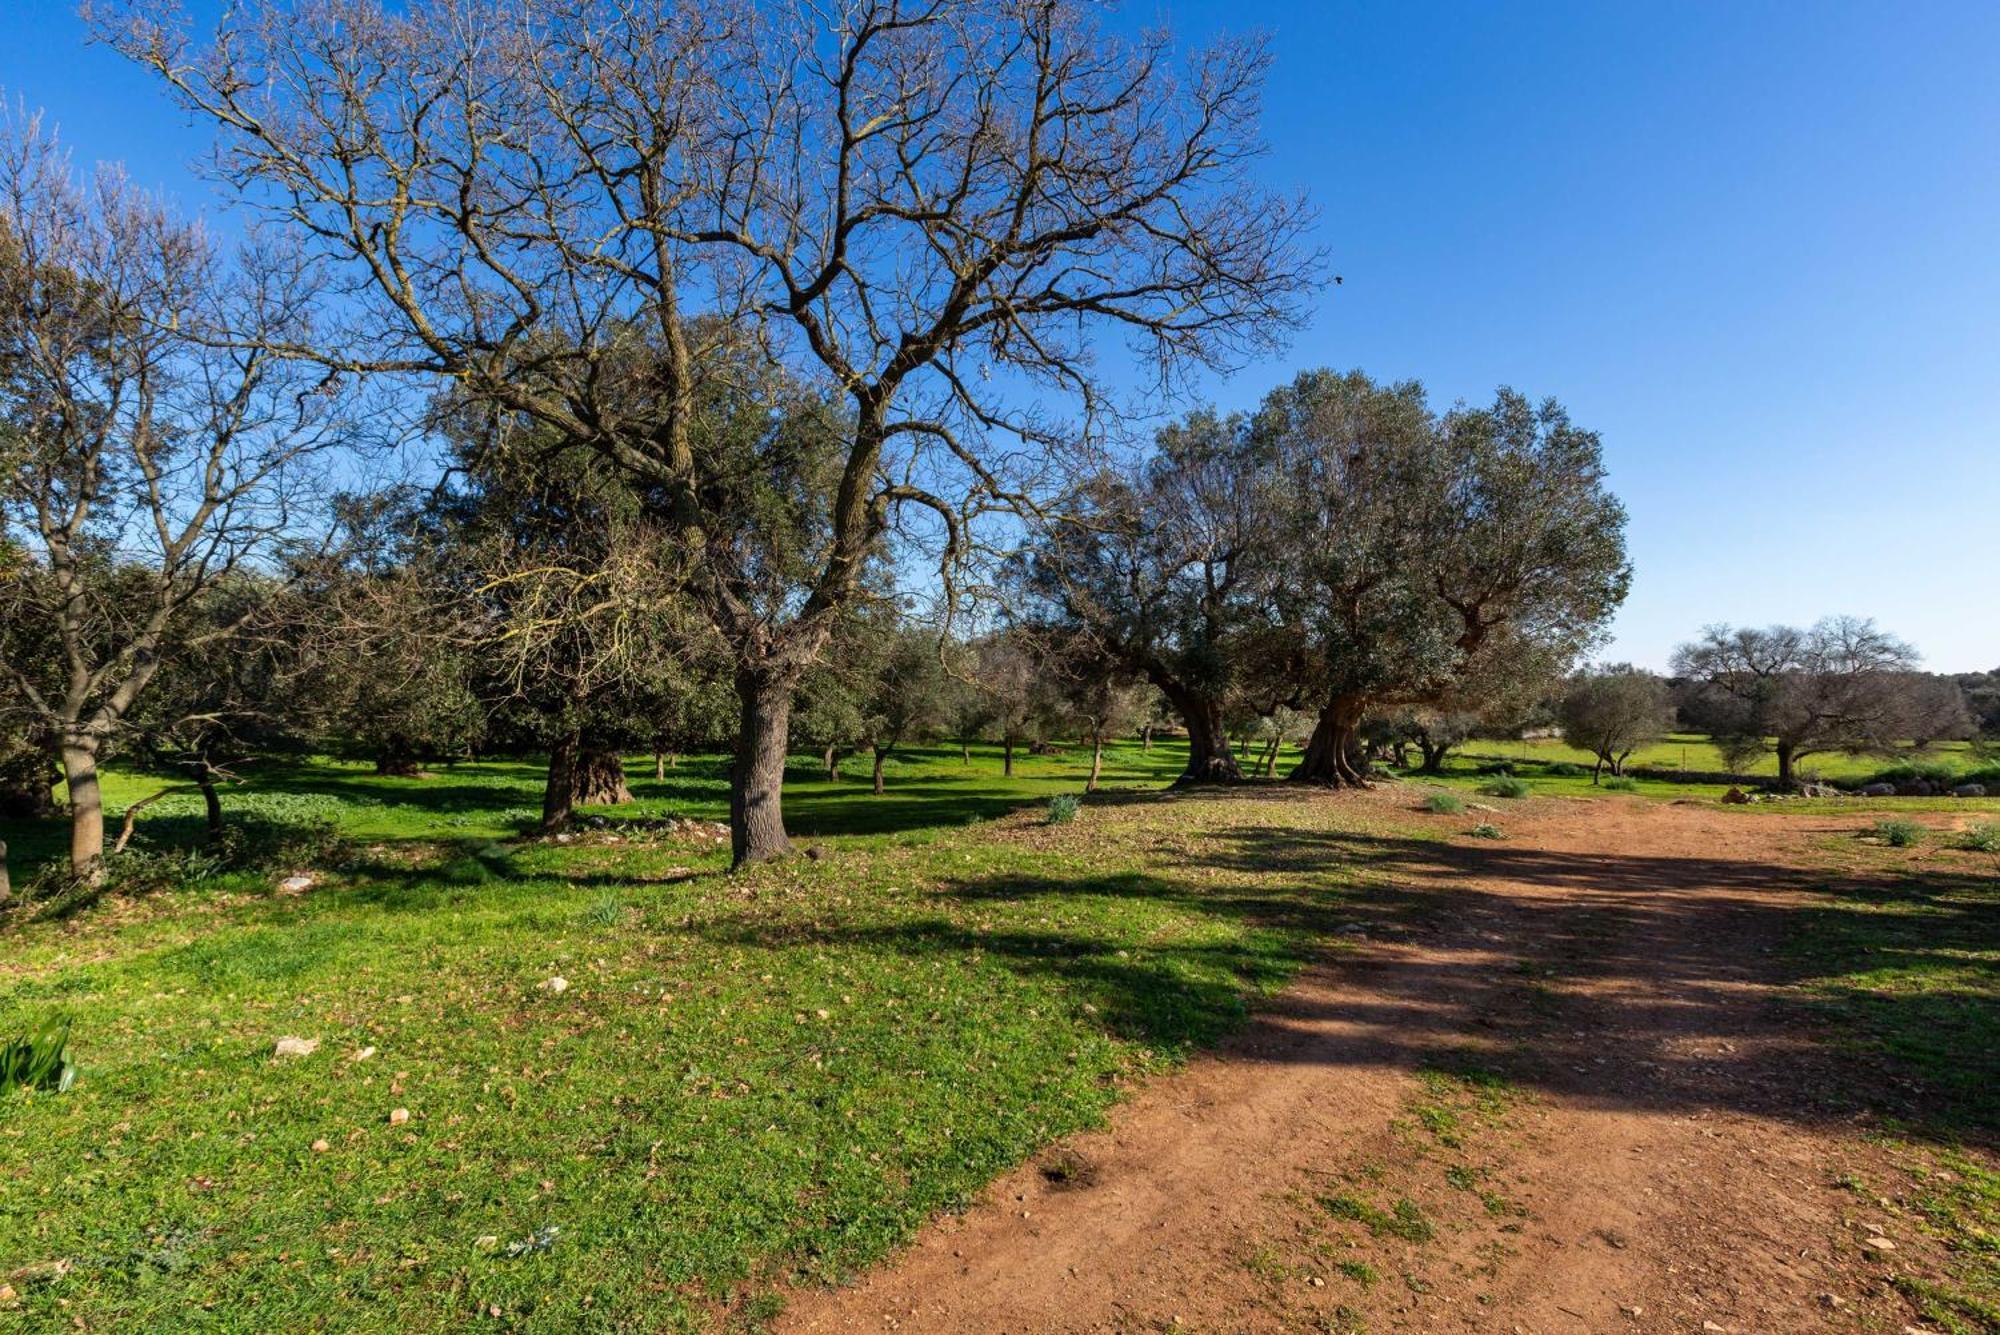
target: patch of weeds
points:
(1442, 1123)
(1899, 833)
(1265, 1263)
(1485, 830)
(1063, 808)
(1620, 784)
(1981, 838)
(606, 912)
(1508, 787)
(1563, 769)
(1359, 1271)
(1462, 1177)
(1445, 804)
(1405, 1219)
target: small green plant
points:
(1563, 769)
(1404, 1220)
(1507, 786)
(1063, 808)
(1984, 838)
(606, 912)
(1445, 804)
(39, 1060)
(1620, 784)
(1485, 831)
(1359, 1271)
(1899, 833)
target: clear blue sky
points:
(1756, 245)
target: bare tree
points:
(1842, 685)
(163, 440)
(932, 208)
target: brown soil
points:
(1669, 1158)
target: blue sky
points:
(1756, 245)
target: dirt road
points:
(1548, 1085)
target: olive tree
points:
(1420, 551)
(1612, 712)
(933, 211)
(1158, 572)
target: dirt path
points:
(1664, 1155)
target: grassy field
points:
(745, 1081)
(1694, 752)
(1900, 956)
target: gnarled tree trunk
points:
(397, 759)
(757, 779)
(832, 763)
(1007, 755)
(600, 776)
(1330, 752)
(881, 754)
(1209, 758)
(1096, 762)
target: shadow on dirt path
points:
(1547, 1085)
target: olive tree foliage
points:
(1613, 711)
(1420, 552)
(161, 440)
(1841, 684)
(1158, 572)
(932, 209)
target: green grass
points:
(1900, 957)
(1899, 833)
(1445, 804)
(1405, 1219)
(1693, 752)
(749, 1080)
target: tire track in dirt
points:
(1667, 1162)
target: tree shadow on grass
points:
(1630, 982)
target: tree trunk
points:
(600, 776)
(204, 779)
(397, 759)
(832, 763)
(86, 808)
(1597, 770)
(6, 885)
(757, 778)
(1434, 754)
(1209, 758)
(1329, 755)
(1785, 760)
(659, 766)
(965, 753)
(1007, 755)
(1269, 766)
(1096, 762)
(881, 754)
(559, 792)
(1146, 738)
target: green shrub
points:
(1063, 808)
(1983, 838)
(1618, 783)
(1485, 831)
(1445, 804)
(1930, 772)
(1563, 769)
(1505, 787)
(1496, 767)
(39, 1060)
(1899, 833)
